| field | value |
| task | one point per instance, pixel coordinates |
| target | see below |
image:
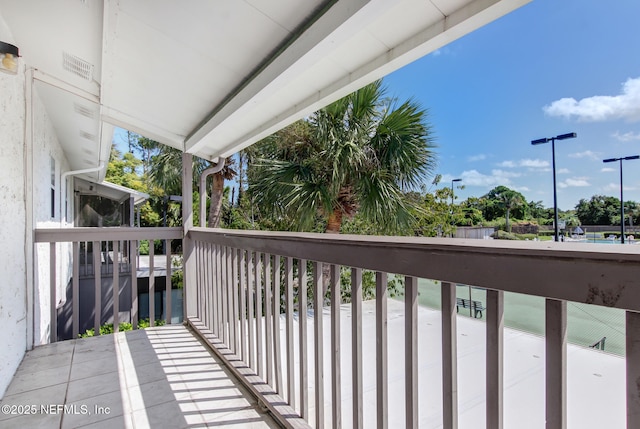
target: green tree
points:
(599, 210)
(166, 173)
(356, 155)
(508, 200)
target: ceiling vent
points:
(87, 135)
(84, 110)
(77, 66)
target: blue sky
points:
(549, 68)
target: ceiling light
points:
(8, 58)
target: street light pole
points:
(553, 162)
(626, 158)
(452, 193)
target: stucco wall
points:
(13, 308)
(20, 313)
(46, 147)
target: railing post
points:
(97, 287)
(152, 284)
(633, 369)
(411, 351)
(291, 382)
(318, 341)
(449, 357)
(556, 363)
(382, 378)
(495, 357)
(53, 335)
(167, 286)
(133, 259)
(189, 267)
(356, 342)
(336, 300)
(302, 318)
(116, 286)
(75, 290)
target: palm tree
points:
(509, 200)
(166, 173)
(356, 155)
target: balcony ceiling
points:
(214, 76)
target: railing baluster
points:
(302, 322)
(223, 289)
(116, 286)
(250, 310)
(268, 308)
(218, 289)
(152, 283)
(97, 287)
(336, 383)
(75, 290)
(288, 270)
(259, 347)
(556, 363)
(632, 322)
(356, 342)
(382, 378)
(53, 302)
(234, 301)
(211, 264)
(318, 340)
(230, 311)
(134, 284)
(411, 351)
(168, 291)
(276, 323)
(495, 356)
(243, 305)
(449, 357)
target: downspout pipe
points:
(203, 188)
(63, 184)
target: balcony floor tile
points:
(158, 377)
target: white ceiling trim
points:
(324, 26)
(457, 24)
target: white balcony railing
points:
(242, 288)
(240, 275)
(114, 250)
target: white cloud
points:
(575, 182)
(586, 154)
(615, 187)
(625, 105)
(530, 163)
(626, 137)
(563, 171)
(534, 163)
(497, 177)
(607, 170)
(521, 189)
(479, 157)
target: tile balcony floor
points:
(161, 377)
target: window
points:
(53, 188)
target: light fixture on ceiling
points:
(8, 58)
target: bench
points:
(476, 306)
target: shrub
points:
(107, 328)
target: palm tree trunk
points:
(215, 209)
(334, 222)
(507, 222)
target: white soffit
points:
(214, 76)
(366, 44)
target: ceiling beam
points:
(449, 28)
(320, 28)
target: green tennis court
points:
(587, 324)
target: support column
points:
(189, 261)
